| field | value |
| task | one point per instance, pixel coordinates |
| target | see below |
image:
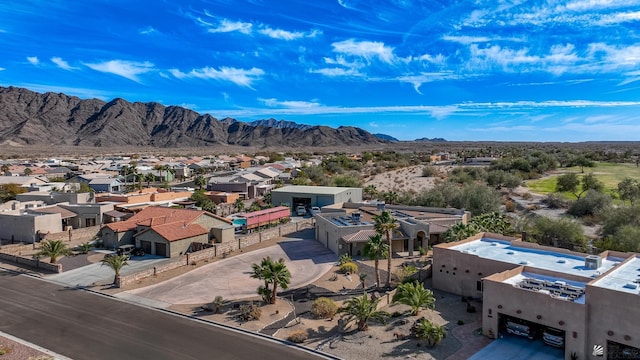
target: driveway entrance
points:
(306, 259)
(511, 347)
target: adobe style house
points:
(346, 228)
(167, 231)
(586, 300)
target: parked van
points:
(521, 330)
(553, 337)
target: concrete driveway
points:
(511, 347)
(306, 259)
(96, 274)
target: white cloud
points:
(275, 103)
(127, 69)
(33, 60)
(2, 69)
(374, 124)
(419, 79)
(281, 34)
(466, 39)
(227, 25)
(336, 72)
(241, 77)
(148, 30)
(365, 49)
(62, 64)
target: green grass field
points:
(610, 174)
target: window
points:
(479, 285)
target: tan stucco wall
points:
(22, 228)
(501, 298)
(112, 240)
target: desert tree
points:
(385, 224)
(200, 181)
(53, 249)
(375, 249)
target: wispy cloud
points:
(241, 77)
(422, 78)
(33, 60)
(336, 72)
(148, 30)
(368, 50)
(2, 69)
(74, 91)
(62, 64)
(287, 35)
(289, 104)
(464, 39)
(226, 26)
(127, 69)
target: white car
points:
(315, 210)
(301, 210)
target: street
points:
(82, 325)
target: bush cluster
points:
(324, 308)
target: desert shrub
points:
(324, 308)
(429, 171)
(5, 349)
(555, 201)
(593, 203)
(510, 206)
(527, 196)
(422, 251)
(248, 312)
(344, 258)
(298, 337)
(349, 267)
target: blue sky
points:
(461, 70)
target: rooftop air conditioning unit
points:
(355, 217)
(592, 262)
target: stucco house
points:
(167, 231)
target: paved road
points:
(306, 259)
(82, 325)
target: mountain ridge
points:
(31, 118)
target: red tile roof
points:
(177, 231)
(159, 215)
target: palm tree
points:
(390, 197)
(137, 177)
(149, 177)
(370, 191)
(4, 168)
(28, 171)
(238, 205)
(414, 295)
(362, 309)
(376, 249)
(386, 224)
(274, 274)
(429, 332)
(199, 181)
(116, 263)
(54, 249)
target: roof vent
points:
(510, 253)
(592, 262)
(561, 261)
(631, 286)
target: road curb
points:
(221, 325)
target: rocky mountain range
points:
(30, 118)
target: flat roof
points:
(302, 189)
(501, 250)
(517, 280)
(626, 277)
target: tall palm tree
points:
(54, 249)
(386, 224)
(375, 249)
(416, 296)
(431, 333)
(274, 274)
(137, 177)
(116, 263)
(362, 309)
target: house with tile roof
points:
(167, 231)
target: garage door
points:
(161, 249)
(146, 246)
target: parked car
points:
(301, 210)
(315, 210)
(521, 330)
(553, 337)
